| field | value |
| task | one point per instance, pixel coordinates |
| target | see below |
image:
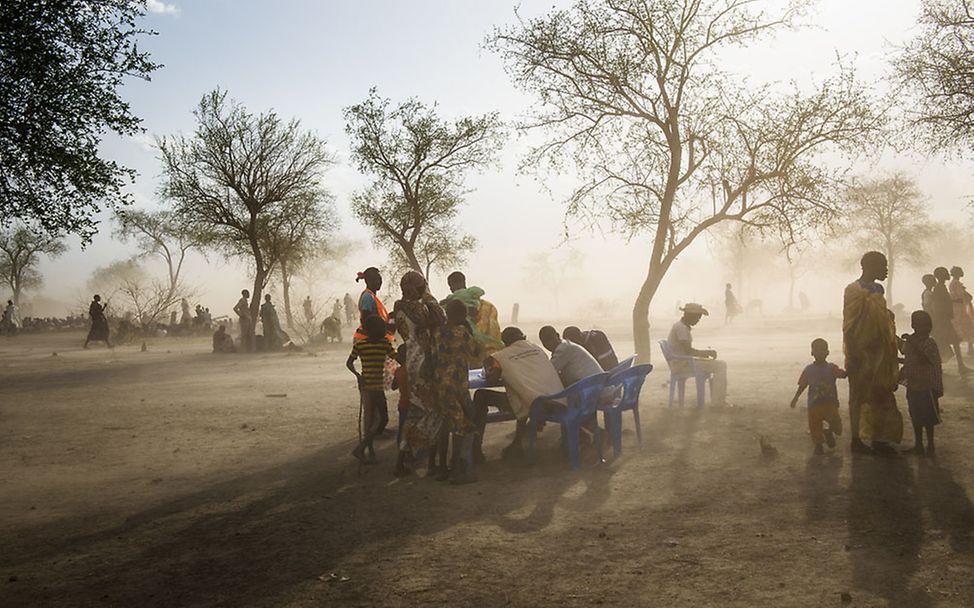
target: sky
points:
(308, 59)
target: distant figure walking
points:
(350, 310)
(309, 313)
(11, 319)
(246, 321)
(336, 310)
(731, 305)
(943, 321)
(99, 323)
(869, 341)
(187, 317)
(803, 303)
(963, 312)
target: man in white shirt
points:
(571, 361)
(681, 343)
(526, 373)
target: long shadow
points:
(821, 486)
(254, 539)
(948, 505)
(885, 530)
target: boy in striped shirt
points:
(373, 351)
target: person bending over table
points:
(596, 343)
(571, 361)
(527, 373)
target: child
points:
(823, 398)
(373, 350)
(924, 380)
(401, 383)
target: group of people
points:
(442, 340)
(273, 338)
(950, 309)
(877, 362)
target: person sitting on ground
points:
(526, 373)
(222, 341)
(571, 361)
(374, 350)
(923, 377)
(481, 313)
(596, 343)
(823, 397)
(681, 343)
(331, 329)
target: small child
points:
(373, 351)
(401, 383)
(924, 380)
(823, 397)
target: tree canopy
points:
(633, 100)
(20, 251)
(249, 184)
(937, 68)
(62, 63)
(418, 161)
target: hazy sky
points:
(309, 59)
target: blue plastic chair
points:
(631, 380)
(623, 365)
(678, 380)
(582, 404)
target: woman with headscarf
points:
(99, 323)
(963, 313)
(369, 303)
(417, 318)
(273, 340)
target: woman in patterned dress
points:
(417, 317)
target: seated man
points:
(681, 343)
(526, 373)
(571, 361)
(595, 342)
(222, 341)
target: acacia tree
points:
(888, 214)
(157, 233)
(418, 161)
(130, 287)
(302, 233)
(937, 67)
(633, 99)
(20, 251)
(62, 63)
(249, 184)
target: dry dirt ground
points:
(171, 478)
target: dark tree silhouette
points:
(249, 184)
(62, 63)
(20, 251)
(418, 161)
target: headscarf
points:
(371, 271)
(413, 286)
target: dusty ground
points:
(170, 478)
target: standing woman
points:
(99, 323)
(963, 314)
(369, 303)
(242, 308)
(417, 317)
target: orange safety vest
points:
(380, 310)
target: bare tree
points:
(937, 67)
(132, 289)
(20, 251)
(246, 182)
(633, 99)
(888, 214)
(160, 234)
(418, 161)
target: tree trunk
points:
(413, 260)
(640, 313)
(255, 304)
(791, 287)
(286, 285)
